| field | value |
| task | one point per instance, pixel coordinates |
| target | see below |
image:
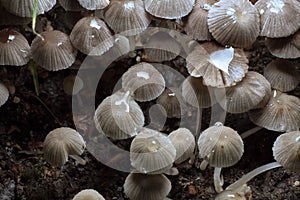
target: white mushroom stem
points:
(78, 159)
(247, 177)
(218, 180)
(250, 132)
(203, 165)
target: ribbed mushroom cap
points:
(247, 94)
(219, 66)
(127, 17)
(119, 116)
(4, 94)
(151, 152)
(162, 47)
(280, 114)
(94, 4)
(196, 93)
(286, 150)
(169, 9)
(287, 47)
(60, 143)
(234, 22)
(24, 8)
(55, 52)
(14, 48)
(279, 18)
(184, 143)
(71, 5)
(91, 36)
(144, 81)
(6, 18)
(220, 145)
(282, 75)
(88, 194)
(147, 187)
(196, 24)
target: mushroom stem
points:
(198, 131)
(218, 179)
(247, 177)
(203, 164)
(78, 159)
(250, 132)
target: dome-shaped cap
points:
(9, 19)
(280, 114)
(247, 94)
(144, 81)
(71, 5)
(4, 94)
(234, 22)
(282, 75)
(91, 36)
(286, 150)
(55, 52)
(184, 143)
(24, 8)
(169, 9)
(14, 48)
(287, 47)
(88, 194)
(127, 17)
(94, 4)
(119, 116)
(150, 187)
(151, 152)
(220, 145)
(279, 18)
(60, 143)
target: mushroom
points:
(93, 4)
(54, 52)
(91, 36)
(119, 116)
(14, 48)
(147, 187)
(88, 194)
(8, 19)
(234, 22)
(169, 9)
(4, 94)
(151, 152)
(143, 81)
(127, 17)
(61, 143)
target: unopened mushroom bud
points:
(88, 194)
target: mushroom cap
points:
(286, 150)
(196, 93)
(162, 47)
(55, 52)
(144, 81)
(72, 84)
(25, 8)
(93, 4)
(4, 94)
(91, 36)
(127, 17)
(71, 5)
(220, 145)
(280, 114)
(234, 22)
(88, 194)
(169, 9)
(282, 75)
(287, 47)
(279, 18)
(184, 143)
(246, 94)
(8, 19)
(119, 116)
(150, 187)
(219, 66)
(60, 143)
(151, 152)
(14, 48)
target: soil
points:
(26, 119)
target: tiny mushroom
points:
(61, 143)
(4, 94)
(88, 194)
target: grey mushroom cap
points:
(94, 4)
(88, 194)
(4, 94)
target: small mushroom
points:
(4, 94)
(147, 187)
(88, 194)
(286, 150)
(61, 143)
(94, 4)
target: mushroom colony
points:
(209, 43)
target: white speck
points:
(11, 38)
(225, 137)
(206, 6)
(261, 11)
(298, 139)
(92, 36)
(231, 195)
(60, 43)
(124, 101)
(153, 142)
(231, 12)
(22, 50)
(129, 5)
(94, 24)
(143, 74)
(275, 6)
(171, 94)
(117, 40)
(221, 59)
(275, 93)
